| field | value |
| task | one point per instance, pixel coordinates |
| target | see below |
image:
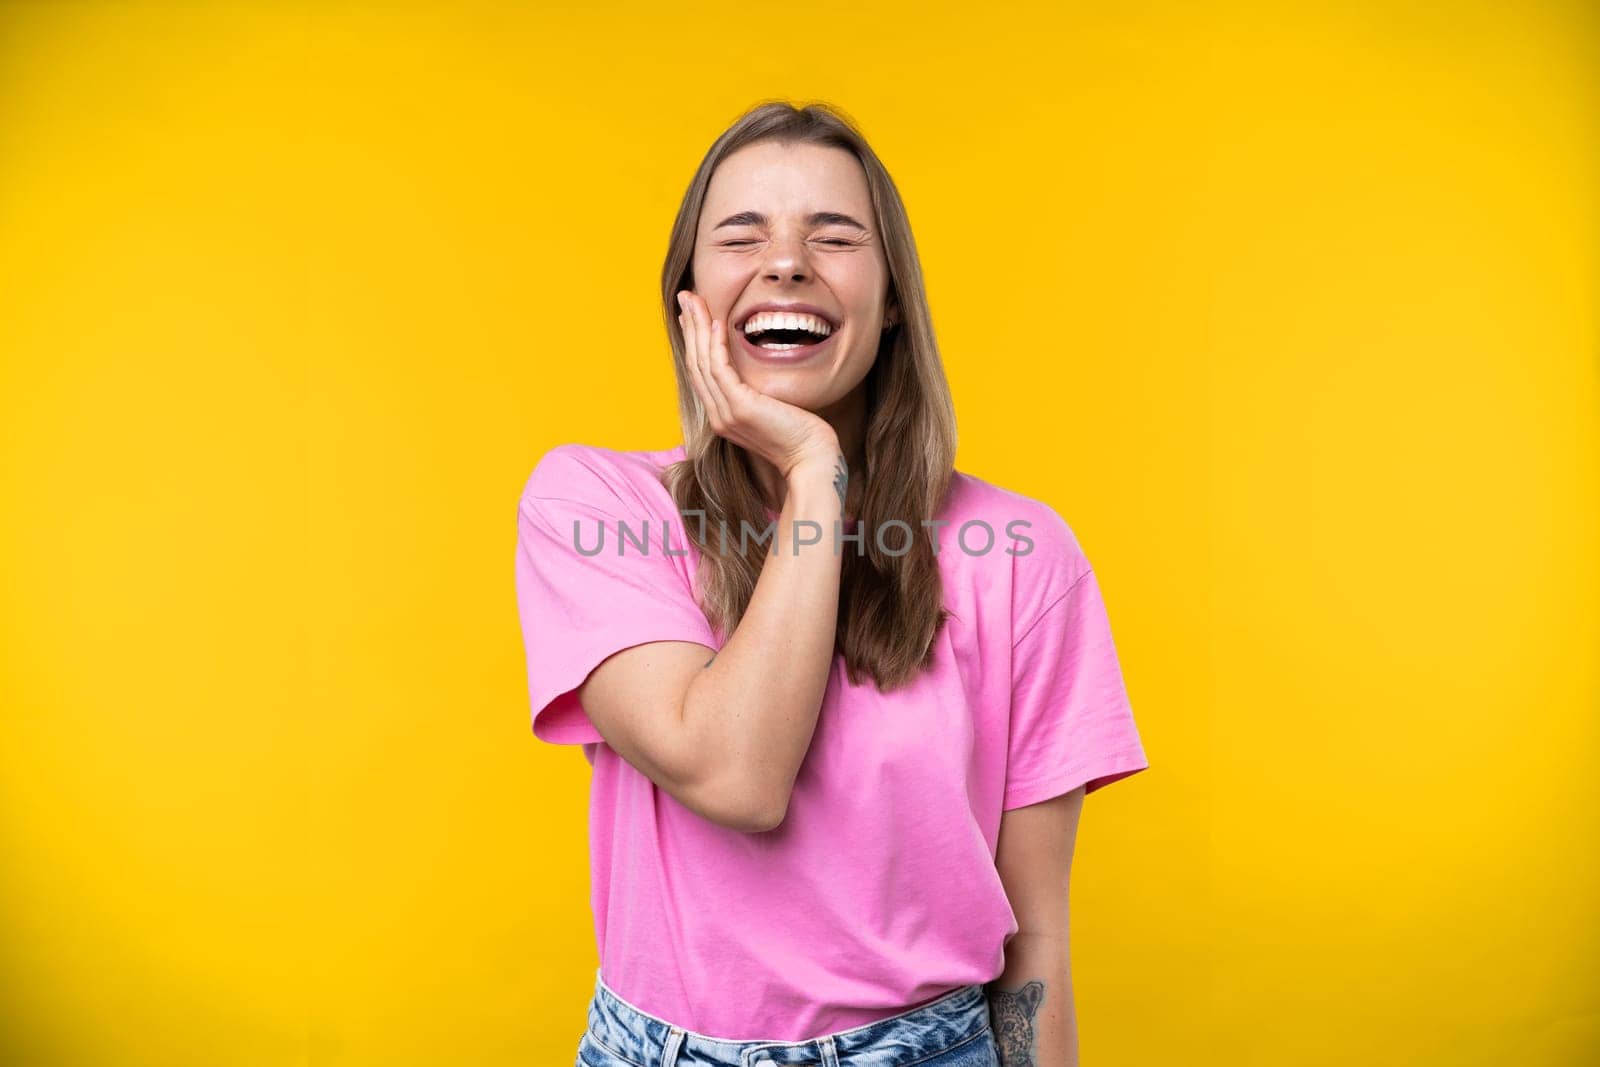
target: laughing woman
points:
(842, 702)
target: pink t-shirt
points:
(878, 892)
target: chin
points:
(780, 385)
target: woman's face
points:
(794, 225)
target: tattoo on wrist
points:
(1012, 1012)
(841, 478)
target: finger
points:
(723, 375)
(719, 368)
(696, 361)
(702, 328)
(691, 359)
(688, 350)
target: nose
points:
(786, 260)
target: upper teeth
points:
(773, 320)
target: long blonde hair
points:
(890, 606)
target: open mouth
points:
(781, 331)
(785, 340)
(775, 347)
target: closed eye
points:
(827, 241)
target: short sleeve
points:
(1071, 723)
(578, 608)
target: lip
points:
(792, 309)
(791, 356)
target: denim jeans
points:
(952, 1031)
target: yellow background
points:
(1290, 310)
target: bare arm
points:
(755, 708)
(726, 736)
(725, 733)
(1031, 1003)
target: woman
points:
(837, 770)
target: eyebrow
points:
(816, 218)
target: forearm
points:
(761, 695)
(1031, 1005)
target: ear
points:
(891, 313)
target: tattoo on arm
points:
(841, 478)
(1012, 1013)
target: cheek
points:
(714, 281)
(864, 283)
(863, 350)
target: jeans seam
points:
(950, 995)
(964, 1041)
(608, 1050)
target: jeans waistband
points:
(630, 1034)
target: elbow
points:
(763, 802)
(718, 787)
(718, 784)
(757, 811)
(766, 816)
(741, 807)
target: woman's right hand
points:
(783, 434)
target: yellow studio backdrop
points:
(1289, 309)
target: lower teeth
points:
(773, 346)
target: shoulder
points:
(603, 478)
(1036, 554)
(1030, 527)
